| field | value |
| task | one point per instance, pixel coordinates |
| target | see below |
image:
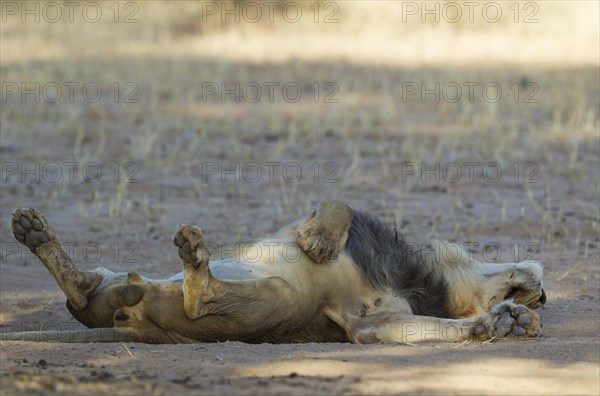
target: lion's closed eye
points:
(533, 298)
(514, 293)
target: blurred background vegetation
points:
(153, 60)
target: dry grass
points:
(545, 122)
(556, 33)
(362, 148)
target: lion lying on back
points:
(336, 275)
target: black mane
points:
(388, 262)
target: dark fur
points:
(388, 262)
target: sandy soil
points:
(360, 149)
(563, 360)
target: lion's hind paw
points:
(190, 245)
(31, 228)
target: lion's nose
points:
(542, 299)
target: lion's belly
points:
(260, 259)
(333, 285)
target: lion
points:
(335, 275)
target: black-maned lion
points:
(336, 275)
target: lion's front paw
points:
(508, 319)
(323, 233)
(191, 246)
(31, 228)
(317, 245)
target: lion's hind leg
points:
(32, 229)
(245, 309)
(92, 296)
(198, 282)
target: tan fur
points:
(298, 285)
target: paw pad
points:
(507, 319)
(191, 247)
(29, 228)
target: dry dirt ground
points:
(162, 160)
(563, 360)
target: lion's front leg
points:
(323, 233)
(504, 320)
